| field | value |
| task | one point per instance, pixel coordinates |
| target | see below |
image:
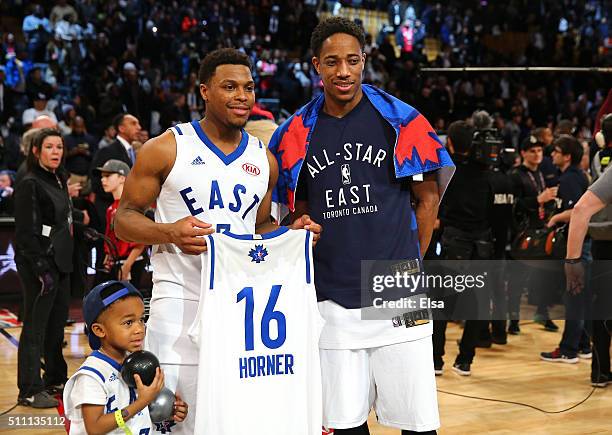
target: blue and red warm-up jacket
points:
(417, 147)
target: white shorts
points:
(181, 379)
(345, 329)
(167, 327)
(167, 338)
(397, 380)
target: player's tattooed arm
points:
(142, 188)
(427, 197)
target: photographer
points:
(488, 147)
(466, 217)
(44, 244)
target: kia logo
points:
(251, 169)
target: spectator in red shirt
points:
(123, 259)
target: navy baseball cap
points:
(94, 303)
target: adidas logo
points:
(197, 161)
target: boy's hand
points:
(148, 394)
(180, 409)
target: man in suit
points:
(127, 127)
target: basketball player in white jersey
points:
(204, 176)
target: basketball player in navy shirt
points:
(355, 159)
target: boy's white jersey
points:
(258, 329)
(98, 382)
(224, 190)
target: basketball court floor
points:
(510, 373)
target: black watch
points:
(573, 260)
(125, 413)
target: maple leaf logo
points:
(164, 426)
(258, 254)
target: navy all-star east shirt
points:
(348, 179)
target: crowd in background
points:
(95, 59)
(80, 66)
(82, 62)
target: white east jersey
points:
(112, 393)
(224, 190)
(258, 329)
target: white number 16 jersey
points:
(258, 329)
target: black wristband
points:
(573, 260)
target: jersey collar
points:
(225, 158)
(108, 359)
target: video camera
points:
(486, 147)
(487, 144)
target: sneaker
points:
(438, 369)
(585, 353)
(55, 389)
(499, 340)
(513, 327)
(462, 369)
(549, 325)
(601, 380)
(557, 356)
(39, 400)
(540, 318)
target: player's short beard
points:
(237, 124)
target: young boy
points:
(129, 255)
(96, 399)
